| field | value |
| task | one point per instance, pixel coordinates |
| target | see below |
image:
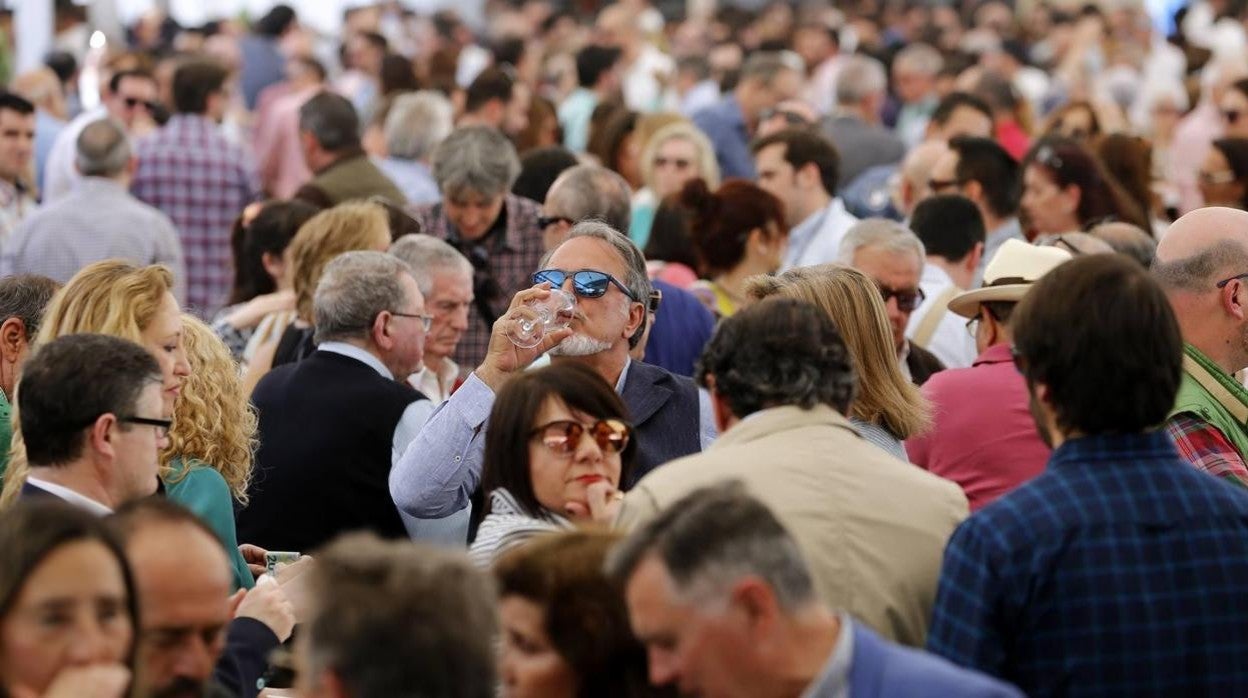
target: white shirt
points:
(950, 342)
(70, 496)
(817, 240)
(642, 90)
(435, 385)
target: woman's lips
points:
(590, 479)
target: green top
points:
(6, 433)
(1208, 393)
(205, 493)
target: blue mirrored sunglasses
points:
(586, 283)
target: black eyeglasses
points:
(587, 283)
(564, 436)
(656, 298)
(132, 102)
(425, 320)
(545, 222)
(162, 425)
(1224, 282)
(972, 327)
(907, 299)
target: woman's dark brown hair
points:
(724, 219)
(670, 239)
(30, 531)
(585, 616)
(512, 422)
(1235, 150)
(270, 231)
(1129, 160)
(1101, 198)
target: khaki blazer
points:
(873, 528)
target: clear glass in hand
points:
(552, 313)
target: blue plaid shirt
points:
(1120, 571)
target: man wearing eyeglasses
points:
(129, 97)
(605, 271)
(93, 437)
(332, 425)
(893, 255)
(1201, 265)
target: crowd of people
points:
(877, 349)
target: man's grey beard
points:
(580, 345)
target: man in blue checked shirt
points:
(1121, 570)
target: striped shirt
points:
(507, 526)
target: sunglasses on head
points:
(907, 299)
(586, 283)
(564, 436)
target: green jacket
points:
(202, 490)
(1208, 393)
(6, 433)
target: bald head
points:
(917, 171)
(1129, 240)
(1200, 246)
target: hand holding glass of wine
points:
(553, 312)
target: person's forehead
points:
(588, 253)
(134, 83)
(13, 119)
(773, 155)
(175, 560)
(450, 279)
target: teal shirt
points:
(205, 493)
(6, 434)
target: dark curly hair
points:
(779, 351)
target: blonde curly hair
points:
(346, 227)
(110, 297)
(213, 422)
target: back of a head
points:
(332, 121)
(391, 619)
(539, 168)
(58, 400)
(194, 81)
(426, 256)
(775, 353)
(103, 149)
(670, 237)
(417, 123)
(594, 60)
(711, 538)
(881, 233)
(861, 77)
(494, 83)
(26, 297)
(953, 101)
(983, 160)
(355, 225)
(475, 159)
(949, 225)
(723, 219)
(803, 146)
(109, 297)
(587, 192)
(275, 22)
(270, 232)
(1129, 240)
(1101, 335)
(354, 288)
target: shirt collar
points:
(995, 354)
(362, 355)
(1137, 447)
(833, 681)
(619, 384)
(70, 496)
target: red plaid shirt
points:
(1204, 446)
(201, 180)
(508, 259)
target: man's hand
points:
(503, 358)
(92, 681)
(268, 604)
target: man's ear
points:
(636, 316)
(102, 435)
(380, 332)
(755, 601)
(972, 259)
(12, 339)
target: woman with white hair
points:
(674, 155)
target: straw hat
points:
(1016, 266)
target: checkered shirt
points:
(1120, 571)
(1204, 446)
(202, 181)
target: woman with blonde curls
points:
(115, 298)
(286, 337)
(211, 444)
(888, 408)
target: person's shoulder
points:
(911, 672)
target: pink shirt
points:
(982, 434)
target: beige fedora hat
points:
(1016, 266)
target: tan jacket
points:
(873, 528)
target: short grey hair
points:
(636, 279)
(426, 256)
(880, 232)
(766, 66)
(477, 159)
(103, 149)
(332, 121)
(587, 192)
(354, 288)
(417, 123)
(711, 538)
(1201, 271)
(860, 78)
(919, 58)
(391, 618)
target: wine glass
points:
(554, 312)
